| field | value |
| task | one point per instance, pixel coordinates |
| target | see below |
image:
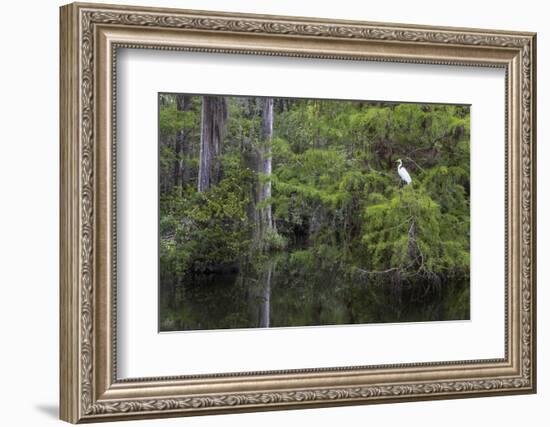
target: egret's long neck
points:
(400, 164)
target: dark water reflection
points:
(276, 295)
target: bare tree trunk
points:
(181, 168)
(213, 118)
(166, 182)
(265, 165)
(183, 102)
(178, 161)
(258, 157)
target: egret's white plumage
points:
(403, 172)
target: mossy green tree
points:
(334, 197)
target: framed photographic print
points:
(266, 212)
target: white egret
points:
(403, 172)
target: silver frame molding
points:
(90, 37)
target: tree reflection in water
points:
(277, 294)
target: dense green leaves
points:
(336, 194)
(408, 231)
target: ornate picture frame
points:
(90, 37)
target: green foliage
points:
(206, 231)
(336, 194)
(173, 121)
(274, 241)
(409, 232)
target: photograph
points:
(266, 211)
(288, 212)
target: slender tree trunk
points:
(185, 163)
(265, 166)
(257, 157)
(183, 102)
(181, 174)
(177, 170)
(165, 177)
(213, 119)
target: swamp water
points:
(279, 294)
